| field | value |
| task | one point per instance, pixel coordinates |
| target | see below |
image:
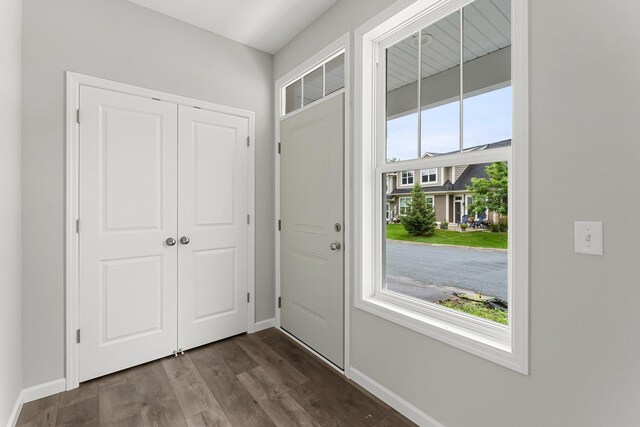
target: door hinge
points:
(248, 141)
(248, 219)
(279, 225)
(248, 297)
(78, 116)
(279, 148)
(77, 336)
(77, 226)
(279, 302)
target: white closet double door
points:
(163, 229)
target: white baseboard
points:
(396, 402)
(15, 412)
(34, 393)
(264, 324)
(43, 390)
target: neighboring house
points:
(445, 188)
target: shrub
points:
(499, 227)
(444, 225)
(420, 219)
(464, 226)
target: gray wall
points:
(117, 40)
(584, 340)
(10, 319)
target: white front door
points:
(127, 204)
(311, 182)
(212, 215)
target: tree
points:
(491, 193)
(420, 219)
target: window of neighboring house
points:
(429, 175)
(407, 178)
(387, 211)
(442, 98)
(316, 84)
(404, 205)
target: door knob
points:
(170, 241)
(335, 246)
(184, 240)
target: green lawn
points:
(477, 239)
(478, 309)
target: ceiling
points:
(267, 25)
(487, 28)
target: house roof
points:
(477, 170)
(498, 144)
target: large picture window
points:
(463, 56)
(445, 107)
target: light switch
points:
(588, 237)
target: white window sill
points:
(482, 338)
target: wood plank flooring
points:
(263, 379)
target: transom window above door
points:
(322, 81)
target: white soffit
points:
(267, 25)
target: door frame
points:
(73, 83)
(342, 44)
(458, 208)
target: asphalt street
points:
(433, 272)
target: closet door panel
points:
(127, 205)
(212, 224)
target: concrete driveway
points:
(432, 272)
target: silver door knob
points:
(335, 246)
(184, 240)
(170, 241)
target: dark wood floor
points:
(263, 379)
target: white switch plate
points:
(588, 237)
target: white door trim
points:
(74, 81)
(342, 43)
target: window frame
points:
(422, 175)
(507, 346)
(411, 175)
(406, 200)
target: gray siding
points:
(441, 208)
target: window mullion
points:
(419, 94)
(461, 79)
(324, 79)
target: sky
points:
(487, 119)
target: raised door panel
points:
(125, 283)
(127, 206)
(215, 160)
(213, 207)
(212, 300)
(127, 137)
